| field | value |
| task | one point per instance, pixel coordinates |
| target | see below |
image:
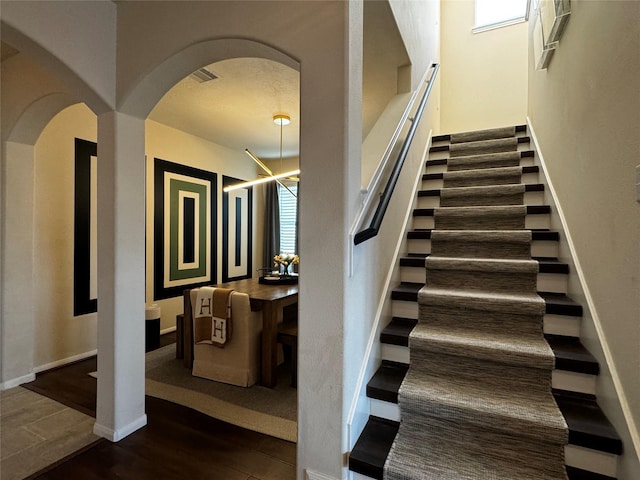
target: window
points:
(498, 13)
(288, 216)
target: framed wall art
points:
(185, 228)
(237, 231)
(85, 236)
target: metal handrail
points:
(374, 226)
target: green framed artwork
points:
(237, 231)
(184, 228)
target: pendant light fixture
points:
(281, 120)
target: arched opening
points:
(162, 141)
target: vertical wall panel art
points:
(184, 228)
(85, 238)
(237, 233)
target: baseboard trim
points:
(604, 344)
(65, 361)
(119, 434)
(359, 392)
(16, 382)
(311, 475)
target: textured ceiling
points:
(236, 109)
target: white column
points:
(17, 264)
(121, 276)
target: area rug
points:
(265, 410)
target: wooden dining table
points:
(268, 298)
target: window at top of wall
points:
(288, 218)
(490, 14)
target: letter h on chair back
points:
(237, 362)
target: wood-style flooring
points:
(176, 443)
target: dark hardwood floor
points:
(176, 443)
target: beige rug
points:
(264, 410)
(37, 432)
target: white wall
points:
(484, 75)
(585, 111)
(58, 335)
(374, 261)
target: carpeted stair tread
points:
(481, 274)
(482, 195)
(527, 413)
(489, 173)
(588, 425)
(480, 218)
(473, 136)
(447, 137)
(484, 160)
(570, 355)
(371, 450)
(496, 160)
(546, 264)
(536, 234)
(449, 451)
(479, 177)
(511, 244)
(529, 210)
(523, 304)
(482, 190)
(506, 348)
(483, 146)
(397, 331)
(556, 303)
(498, 265)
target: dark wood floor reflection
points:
(176, 443)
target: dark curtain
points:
(271, 224)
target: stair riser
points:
(524, 162)
(439, 183)
(547, 282)
(591, 460)
(530, 198)
(532, 222)
(445, 154)
(560, 379)
(539, 248)
(553, 324)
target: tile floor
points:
(36, 431)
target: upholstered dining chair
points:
(238, 362)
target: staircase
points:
(502, 169)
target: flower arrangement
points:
(286, 260)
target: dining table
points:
(270, 299)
